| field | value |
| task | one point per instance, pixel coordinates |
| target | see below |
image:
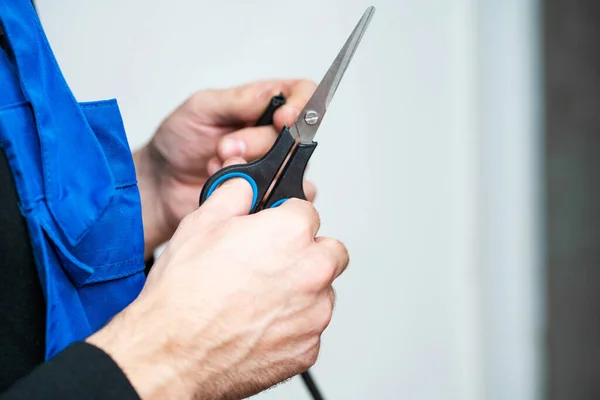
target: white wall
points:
(397, 164)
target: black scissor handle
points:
(289, 185)
(259, 173)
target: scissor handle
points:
(289, 185)
(259, 174)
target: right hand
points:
(235, 304)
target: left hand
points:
(211, 128)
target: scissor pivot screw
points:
(311, 117)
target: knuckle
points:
(304, 218)
(325, 272)
(312, 215)
(198, 99)
(312, 358)
(242, 91)
(190, 219)
(324, 314)
(312, 354)
(338, 252)
(342, 252)
(299, 227)
(320, 273)
(194, 101)
(189, 226)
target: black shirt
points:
(81, 371)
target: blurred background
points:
(456, 162)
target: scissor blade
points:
(310, 118)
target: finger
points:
(231, 146)
(250, 143)
(310, 190)
(338, 251)
(234, 161)
(232, 198)
(302, 214)
(213, 165)
(300, 92)
(240, 105)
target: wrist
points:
(146, 356)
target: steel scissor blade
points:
(310, 117)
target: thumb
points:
(232, 198)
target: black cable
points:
(311, 386)
(267, 119)
(274, 104)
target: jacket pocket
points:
(113, 247)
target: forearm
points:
(147, 357)
(156, 231)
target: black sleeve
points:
(149, 263)
(82, 371)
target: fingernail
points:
(232, 147)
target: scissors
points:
(283, 166)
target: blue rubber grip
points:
(278, 203)
(231, 175)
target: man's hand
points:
(235, 304)
(198, 137)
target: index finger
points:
(297, 92)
